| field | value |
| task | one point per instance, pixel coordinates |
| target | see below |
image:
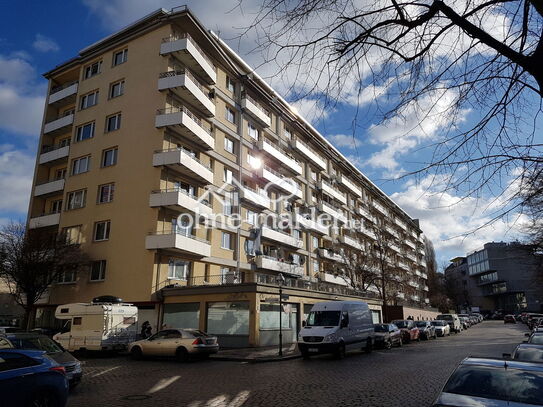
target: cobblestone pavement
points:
(408, 376)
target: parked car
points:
(335, 327)
(466, 316)
(533, 319)
(25, 340)
(181, 343)
(528, 352)
(452, 320)
(535, 338)
(465, 322)
(387, 335)
(31, 378)
(442, 327)
(427, 330)
(410, 332)
(493, 382)
(509, 319)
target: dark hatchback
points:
(25, 340)
(387, 335)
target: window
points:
(298, 234)
(249, 247)
(226, 241)
(313, 175)
(105, 193)
(12, 361)
(101, 230)
(84, 132)
(229, 276)
(178, 269)
(230, 115)
(315, 242)
(76, 199)
(288, 134)
(252, 131)
(68, 112)
(109, 157)
(98, 270)
(251, 217)
(113, 122)
(77, 320)
(120, 57)
(56, 206)
(93, 69)
(80, 165)
(64, 142)
(60, 173)
(116, 89)
(229, 145)
(227, 204)
(72, 234)
(315, 266)
(88, 100)
(65, 277)
(227, 176)
(230, 85)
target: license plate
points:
(313, 349)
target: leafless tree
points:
(533, 205)
(30, 261)
(476, 55)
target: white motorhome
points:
(335, 327)
(97, 326)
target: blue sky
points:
(35, 36)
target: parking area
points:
(408, 376)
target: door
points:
(19, 374)
(153, 345)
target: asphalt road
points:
(408, 376)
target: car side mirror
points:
(506, 355)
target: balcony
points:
(181, 243)
(280, 156)
(422, 263)
(424, 275)
(312, 225)
(188, 125)
(351, 186)
(330, 255)
(254, 109)
(281, 237)
(184, 162)
(285, 184)
(411, 257)
(421, 251)
(183, 83)
(49, 188)
(258, 198)
(333, 212)
(64, 94)
(394, 247)
(177, 199)
(400, 223)
(392, 231)
(331, 278)
(403, 266)
(273, 264)
(362, 211)
(62, 124)
(418, 273)
(44, 221)
(413, 284)
(53, 155)
(351, 242)
(409, 243)
(309, 154)
(188, 52)
(425, 288)
(367, 232)
(401, 296)
(427, 300)
(415, 298)
(380, 208)
(332, 191)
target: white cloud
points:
(16, 70)
(313, 110)
(343, 140)
(16, 172)
(45, 44)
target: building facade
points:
(196, 189)
(506, 277)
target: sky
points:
(55, 32)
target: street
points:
(408, 376)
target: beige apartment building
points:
(163, 119)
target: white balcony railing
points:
(49, 187)
(281, 237)
(395, 247)
(335, 279)
(309, 154)
(352, 242)
(256, 197)
(415, 297)
(413, 284)
(331, 255)
(403, 266)
(253, 108)
(333, 192)
(60, 93)
(187, 86)
(62, 123)
(51, 219)
(409, 243)
(380, 208)
(54, 155)
(312, 225)
(400, 223)
(286, 184)
(188, 124)
(179, 199)
(273, 264)
(343, 180)
(184, 161)
(332, 211)
(280, 156)
(179, 242)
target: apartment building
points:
(506, 277)
(174, 165)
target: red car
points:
(509, 319)
(410, 332)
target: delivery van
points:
(336, 327)
(97, 326)
(453, 321)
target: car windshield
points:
(36, 342)
(401, 324)
(445, 317)
(381, 328)
(498, 384)
(438, 323)
(421, 324)
(529, 354)
(536, 339)
(323, 318)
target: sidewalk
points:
(258, 355)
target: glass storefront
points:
(182, 315)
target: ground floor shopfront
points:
(247, 315)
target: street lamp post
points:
(280, 282)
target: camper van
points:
(335, 327)
(97, 326)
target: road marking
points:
(162, 384)
(105, 371)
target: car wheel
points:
(181, 354)
(136, 353)
(340, 352)
(369, 346)
(44, 399)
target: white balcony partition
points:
(250, 106)
(184, 161)
(189, 124)
(188, 88)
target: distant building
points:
(501, 276)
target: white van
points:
(97, 326)
(452, 320)
(335, 327)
